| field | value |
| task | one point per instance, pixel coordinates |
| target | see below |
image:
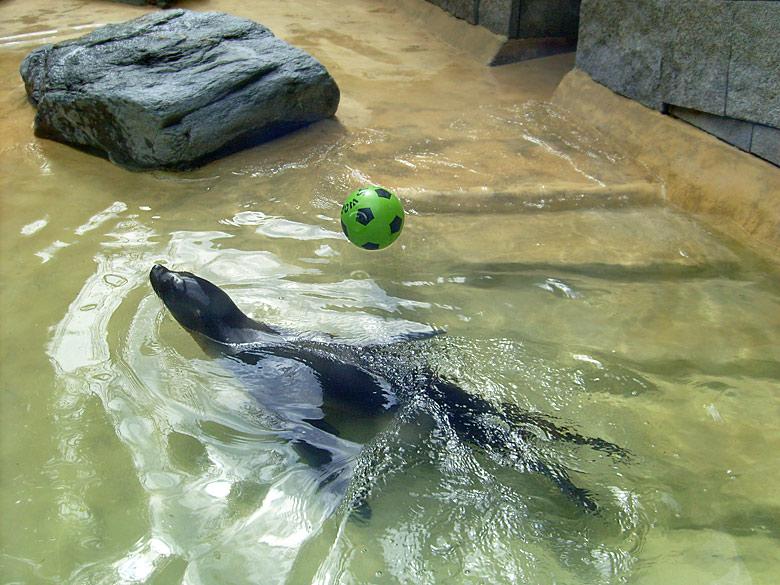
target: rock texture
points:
(715, 62)
(619, 47)
(175, 89)
(518, 19)
(529, 28)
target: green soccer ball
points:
(372, 218)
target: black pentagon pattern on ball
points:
(364, 215)
(384, 193)
(371, 246)
(344, 228)
(396, 224)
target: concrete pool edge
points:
(699, 174)
(702, 174)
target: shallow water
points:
(565, 285)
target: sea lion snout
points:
(157, 277)
(198, 305)
(170, 285)
(157, 270)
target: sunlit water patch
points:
(566, 288)
(670, 355)
(226, 493)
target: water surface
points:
(565, 285)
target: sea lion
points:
(347, 388)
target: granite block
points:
(766, 144)
(754, 71)
(548, 18)
(736, 132)
(621, 46)
(696, 56)
(500, 16)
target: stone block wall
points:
(467, 10)
(547, 18)
(518, 19)
(712, 63)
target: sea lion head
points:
(201, 307)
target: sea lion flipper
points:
(561, 479)
(312, 455)
(323, 425)
(477, 421)
(521, 419)
(416, 336)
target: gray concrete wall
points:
(531, 28)
(548, 18)
(467, 10)
(518, 19)
(712, 63)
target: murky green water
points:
(564, 285)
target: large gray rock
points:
(175, 89)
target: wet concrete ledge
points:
(702, 174)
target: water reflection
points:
(565, 285)
(221, 486)
(221, 490)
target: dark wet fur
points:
(367, 383)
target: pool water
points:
(565, 285)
